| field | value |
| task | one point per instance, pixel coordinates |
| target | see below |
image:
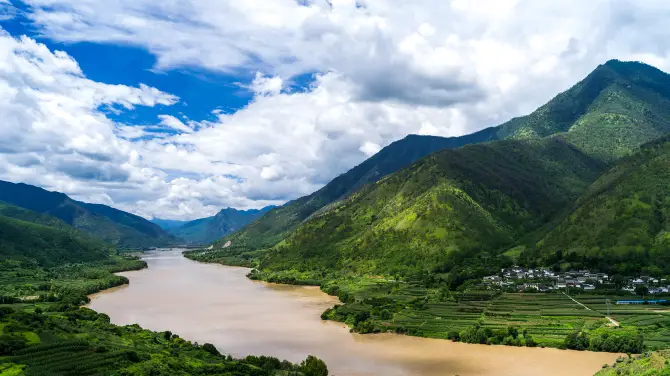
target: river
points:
(218, 304)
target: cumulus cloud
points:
(383, 69)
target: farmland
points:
(375, 304)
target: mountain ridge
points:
(209, 229)
(114, 226)
(621, 101)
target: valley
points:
(219, 305)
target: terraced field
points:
(653, 321)
(548, 317)
(69, 358)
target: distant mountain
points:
(33, 237)
(621, 224)
(207, 230)
(451, 205)
(608, 115)
(281, 221)
(103, 222)
(166, 224)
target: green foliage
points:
(449, 207)
(278, 223)
(647, 364)
(47, 246)
(609, 114)
(313, 366)
(621, 223)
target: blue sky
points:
(178, 109)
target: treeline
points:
(626, 343)
(478, 334)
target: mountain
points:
(613, 111)
(450, 205)
(103, 222)
(167, 224)
(207, 230)
(281, 221)
(34, 237)
(621, 224)
(608, 115)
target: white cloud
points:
(385, 69)
(266, 85)
(174, 123)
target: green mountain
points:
(608, 115)
(103, 222)
(281, 221)
(33, 237)
(207, 230)
(621, 223)
(453, 204)
(613, 111)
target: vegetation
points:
(608, 115)
(113, 226)
(449, 213)
(613, 111)
(207, 230)
(281, 221)
(647, 364)
(621, 224)
(47, 273)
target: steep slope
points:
(450, 205)
(279, 222)
(608, 115)
(622, 222)
(45, 245)
(207, 230)
(114, 226)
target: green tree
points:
(313, 366)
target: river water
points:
(218, 304)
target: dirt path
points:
(614, 322)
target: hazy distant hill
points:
(207, 230)
(111, 225)
(166, 224)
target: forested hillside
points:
(47, 246)
(608, 115)
(452, 205)
(281, 221)
(111, 225)
(622, 222)
(614, 110)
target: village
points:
(544, 280)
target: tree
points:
(210, 349)
(313, 366)
(641, 290)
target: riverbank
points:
(50, 334)
(284, 321)
(420, 307)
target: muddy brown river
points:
(218, 304)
